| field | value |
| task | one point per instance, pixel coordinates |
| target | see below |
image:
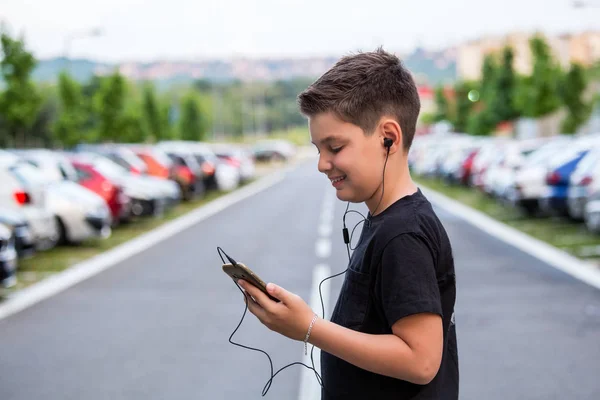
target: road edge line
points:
(559, 259)
(83, 270)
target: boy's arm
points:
(406, 287)
(413, 353)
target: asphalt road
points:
(157, 325)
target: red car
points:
(118, 202)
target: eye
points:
(337, 149)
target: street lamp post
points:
(584, 4)
(95, 32)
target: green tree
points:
(463, 105)
(131, 124)
(41, 131)
(109, 104)
(151, 113)
(191, 124)
(20, 101)
(68, 129)
(571, 91)
(489, 71)
(166, 126)
(502, 102)
(538, 93)
(481, 123)
(442, 105)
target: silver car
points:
(8, 257)
(81, 214)
(30, 200)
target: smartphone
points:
(240, 271)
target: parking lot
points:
(58, 207)
(547, 187)
(156, 325)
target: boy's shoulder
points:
(412, 214)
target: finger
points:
(256, 309)
(261, 298)
(280, 293)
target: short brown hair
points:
(361, 88)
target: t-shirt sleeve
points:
(407, 283)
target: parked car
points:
(17, 195)
(113, 194)
(529, 185)
(226, 175)
(591, 212)
(146, 198)
(237, 157)
(16, 221)
(202, 170)
(273, 150)
(80, 213)
(485, 158)
(584, 181)
(560, 169)
(501, 172)
(120, 154)
(8, 258)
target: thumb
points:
(278, 292)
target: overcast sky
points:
(147, 30)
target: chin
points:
(347, 195)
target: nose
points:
(324, 164)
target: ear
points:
(391, 129)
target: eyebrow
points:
(327, 140)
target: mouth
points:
(337, 179)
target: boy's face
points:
(349, 158)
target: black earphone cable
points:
(347, 241)
(273, 375)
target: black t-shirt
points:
(402, 265)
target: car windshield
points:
(587, 164)
(29, 175)
(132, 159)
(161, 157)
(543, 154)
(109, 168)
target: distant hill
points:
(82, 70)
(428, 67)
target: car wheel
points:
(592, 222)
(62, 232)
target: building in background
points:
(581, 47)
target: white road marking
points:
(323, 248)
(309, 386)
(584, 271)
(325, 230)
(86, 269)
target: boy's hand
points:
(291, 317)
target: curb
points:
(81, 271)
(559, 259)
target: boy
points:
(392, 333)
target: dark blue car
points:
(557, 180)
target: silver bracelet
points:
(308, 334)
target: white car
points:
(8, 257)
(529, 185)
(81, 214)
(501, 173)
(583, 182)
(15, 194)
(238, 158)
(225, 176)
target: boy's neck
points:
(398, 184)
